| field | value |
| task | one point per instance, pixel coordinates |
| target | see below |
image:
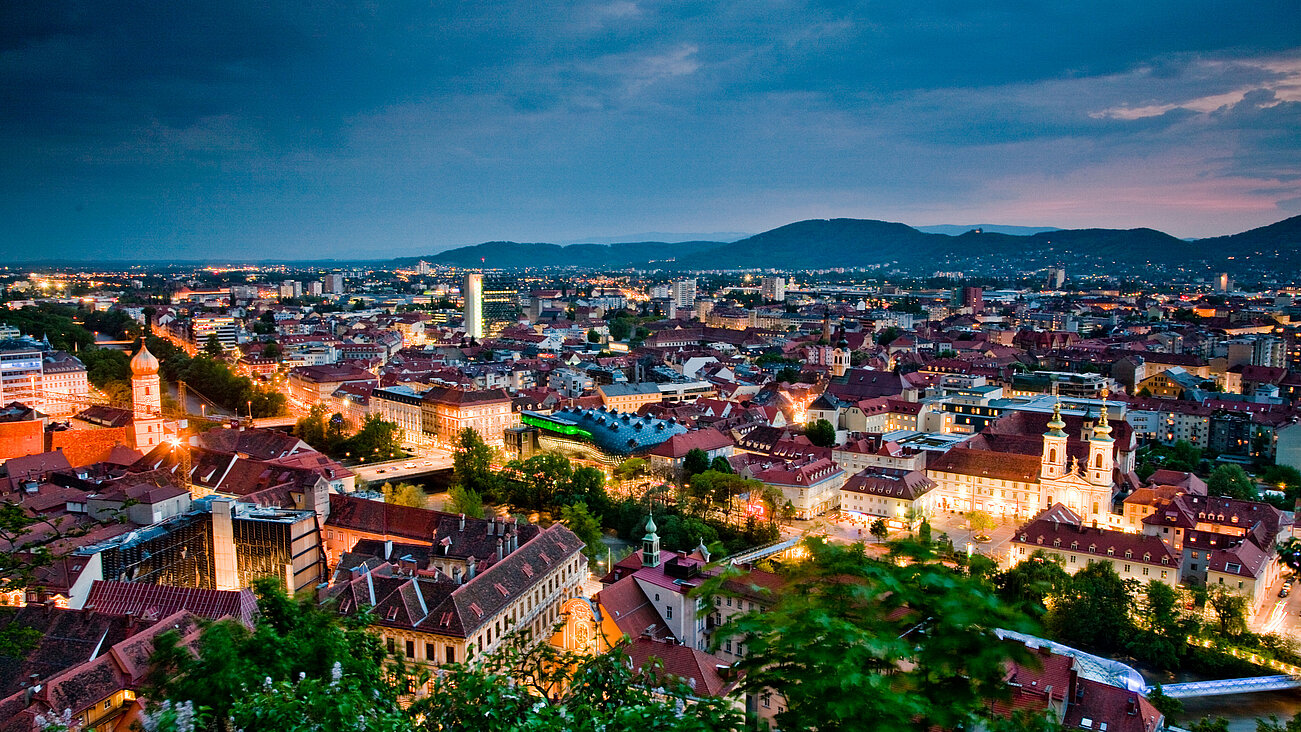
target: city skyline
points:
(192, 132)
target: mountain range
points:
(865, 243)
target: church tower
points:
(1101, 456)
(1053, 462)
(840, 355)
(146, 401)
(650, 545)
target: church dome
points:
(144, 363)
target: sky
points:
(279, 130)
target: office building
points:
(773, 288)
(473, 294)
(334, 284)
(684, 293)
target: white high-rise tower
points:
(473, 305)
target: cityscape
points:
(287, 446)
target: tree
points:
(403, 494)
(720, 465)
(980, 522)
(696, 461)
(1285, 478)
(213, 346)
(540, 479)
(1207, 724)
(879, 529)
(587, 485)
(1183, 456)
(378, 439)
(272, 351)
(472, 460)
(463, 500)
(888, 335)
(620, 327)
(1099, 594)
(586, 527)
(1168, 706)
(293, 643)
(1289, 552)
(535, 686)
(1273, 725)
(1029, 583)
(1233, 482)
(1230, 610)
(593, 336)
(821, 433)
(906, 645)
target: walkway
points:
(1224, 687)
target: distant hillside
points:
(514, 255)
(959, 229)
(819, 243)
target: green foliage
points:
(538, 479)
(403, 494)
(106, 365)
(1232, 481)
(238, 671)
(1099, 594)
(215, 380)
(1230, 610)
(53, 321)
(907, 645)
(620, 328)
(377, 440)
(821, 433)
(888, 335)
(720, 465)
(1169, 707)
(1273, 725)
(564, 691)
(879, 529)
(472, 460)
(1207, 724)
(213, 346)
(585, 526)
(463, 500)
(1289, 552)
(593, 336)
(980, 521)
(696, 461)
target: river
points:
(1242, 710)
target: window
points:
(451, 654)
(430, 652)
(388, 642)
(668, 613)
(411, 649)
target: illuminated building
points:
(147, 423)
(473, 295)
(600, 436)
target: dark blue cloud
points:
(341, 129)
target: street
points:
(396, 470)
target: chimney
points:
(388, 550)
(456, 575)
(500, 548)
(514, 540)
(462, 522)
(469, 568)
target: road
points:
(395, 470)
(1279, 615)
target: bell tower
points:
(146, 401)
(1101, 455)
(650, 545)
(1053, 462)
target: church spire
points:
(1103, 430)
(1056, 424)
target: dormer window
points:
(1165, 560)
(1147, 556)
(1129, 554)
(1111, 551)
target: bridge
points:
(767, 550)
(1224, 687)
